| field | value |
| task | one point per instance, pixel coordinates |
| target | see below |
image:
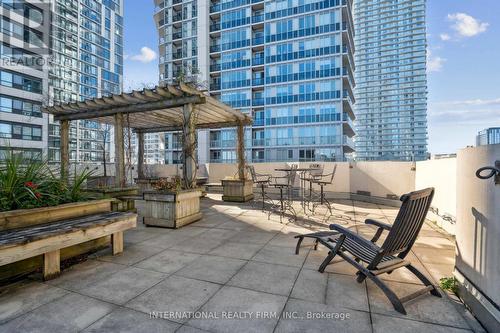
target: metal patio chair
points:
(262, 181)
(315, 173)
(386, 258)
(285, 185)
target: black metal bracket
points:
(494, 172)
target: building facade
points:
(87, 53)
(289, 64)
(391, 90)
(79, 53)
(24, 34)
(489, 136)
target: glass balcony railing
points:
(257, 101)
(214, 27)
(258, 41)
(257, 18)
(214, 48)
(176, 2)
(177, 17)
(215, 67)
(258, 122)
(257, 61)
(257, 82)
(177, 35)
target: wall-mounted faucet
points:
(493, 172)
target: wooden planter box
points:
(28, 217)
(106, 193)
(237, 190)
(170, 209)
(146, 184)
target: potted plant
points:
(168, 205)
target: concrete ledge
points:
(483, 309)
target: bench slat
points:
(77, 235)
(25, 235)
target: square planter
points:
(237, 190)
(170, 209)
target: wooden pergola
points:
(161, 109)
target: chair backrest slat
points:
(316, 170)
(251, 168)
(408, 223)
(333, 173)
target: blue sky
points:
(463, 65)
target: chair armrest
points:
(354, 236)
(379, 224)
(381, 227)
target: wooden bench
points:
(49, 238)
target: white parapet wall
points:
(478, 235)
(442, 175)
(379, 182)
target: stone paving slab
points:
(236, 260)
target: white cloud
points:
(475, 111)
(454, 124)
(146, 56)
(445, 37)
(434, 63)
(466, 25)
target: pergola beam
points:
(134, 108)
(199, 126)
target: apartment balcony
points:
(215, 48)
(215, 84)
(214, 27)
(258, 41)
(257, 61)
(177, 35)
(258, 101)
(176, 2)
(258, 122)
(177, 55)
(215, 68)
(348, 144)
(258, 18)
(257, 82)
(177, 17)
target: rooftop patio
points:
(236, 262)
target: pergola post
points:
(119, 151)
(241, 150)
(64, 150)
(189, 146)
(140, 155)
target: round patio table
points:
(302, 177)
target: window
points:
(20, 131)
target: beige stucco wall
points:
(382, 178)
(442, 175)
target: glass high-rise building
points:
(391, 90)
(289, 64)
(488, 136)
(24, 52)
(84, 39)
(87, 52)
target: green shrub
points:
(449, 284)
(30, 183)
